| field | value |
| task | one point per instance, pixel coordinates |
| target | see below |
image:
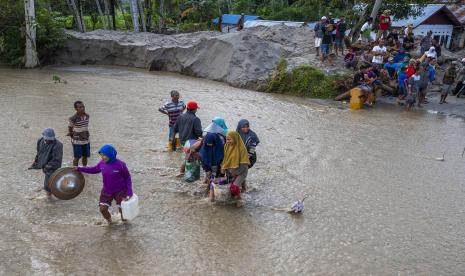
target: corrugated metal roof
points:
(459, 11)
(427, 12)
(233, 19)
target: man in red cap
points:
(188, 126)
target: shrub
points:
(50, 34)
(302, 81)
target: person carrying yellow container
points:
(173, 109)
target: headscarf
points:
(220, 121)
(218, 125)
(432, 52)
(235, 154)
(212, 150)
(250, 139)
(109, 151)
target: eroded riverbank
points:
(378, 202)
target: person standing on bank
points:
(319, 34)
(78, 130)
(447, 82)
(49, 156)
(173, 109)
(341, 28)
(384, 24)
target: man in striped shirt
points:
(173, 109)
(78, 130)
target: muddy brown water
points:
(379, 204)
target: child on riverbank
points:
(173, 109)
(117, 183)
(78, 130)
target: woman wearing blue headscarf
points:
(212, 150)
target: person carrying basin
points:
(117, 184)
(49, 156)
(212, 149)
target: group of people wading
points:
(225, 155)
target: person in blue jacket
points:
(249, 138)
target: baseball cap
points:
(324, 18)
(192, 105)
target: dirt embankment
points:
(241, 59)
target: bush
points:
(302, 81)
(50, 34)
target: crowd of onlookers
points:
(384, 62)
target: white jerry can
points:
(130, 208)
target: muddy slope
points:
(241, 59)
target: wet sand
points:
(379, 204)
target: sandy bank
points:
(242, 59)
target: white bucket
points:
(130, 208)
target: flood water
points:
(379, 203)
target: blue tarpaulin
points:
(233, 19)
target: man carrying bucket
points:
(189, 127)
(117, 184)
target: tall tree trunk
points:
(134, 13)
(142, 15)
(102, 17)
(355, 30)
(162, 15)
(82, 15)
(123, 12)
(113, 13)
(148, 8)
(374, 12)
(77, 16)
(31, 50)
(107, 13)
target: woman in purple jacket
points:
(117, 183)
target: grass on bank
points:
(302, 81)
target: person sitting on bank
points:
(235, 163)
(349, 59)
(49, 156)
(409, 42)
(117, 184)
(212, 149)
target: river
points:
(379, 204)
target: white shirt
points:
(365, 26)
(378, 58)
